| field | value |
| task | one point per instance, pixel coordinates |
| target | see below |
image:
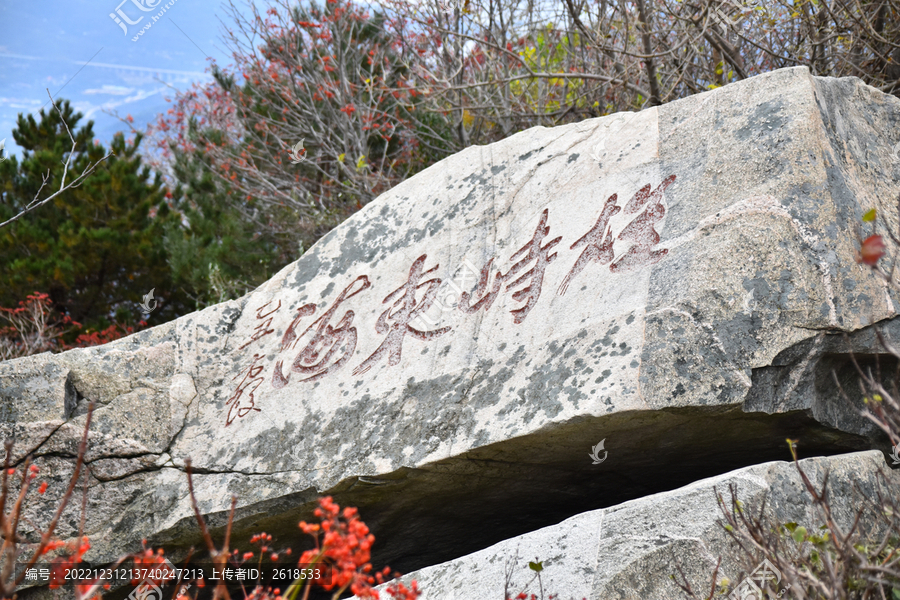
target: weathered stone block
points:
(671, 281)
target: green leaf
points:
(537, 567)
(869, 216)
(799, 534)
(895, 593)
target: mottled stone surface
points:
(693, 332)
(631, 551)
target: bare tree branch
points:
(36, 203)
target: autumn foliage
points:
(343, 544)
(342, 549)
(326, 79)
(35, 326)
(871, 250)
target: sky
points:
(78, 51)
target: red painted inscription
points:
(395, 320)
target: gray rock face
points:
(669, 281)
(630, 551)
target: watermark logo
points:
(145, 305)
(296, 156)
(595, 452)
(599, 152)
(146, 591)
(122, 20)
(2, 147)
(751, 588)
(444, 6)
(730, 13)
(143, 5)
(895, 456)
(447, 296)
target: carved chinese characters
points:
(598, 241)
(266, 319)
(325, 345)
(599, 247)
(532, 251)
(641, 231)
(330, 345)
(243, 400)
(404, 309)
(314, 360)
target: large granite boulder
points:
(671, 282)
(633, 550)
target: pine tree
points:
(97, 249)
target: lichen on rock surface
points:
(674, 281)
